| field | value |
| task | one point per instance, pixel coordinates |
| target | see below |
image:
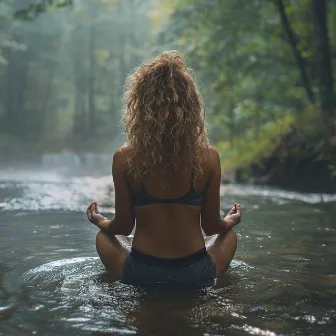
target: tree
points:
(62, 88)
(266, 71)
(322, 60)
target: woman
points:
(167, 179)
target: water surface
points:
(282, 280)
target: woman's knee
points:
(103, 241)
(232, 235)
(227, 237)
(111, 252)
(228, 242)
(100, 237)
(226, 251)
(231, 240)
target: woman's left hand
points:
(234, 216)
(93, 214)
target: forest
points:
(63, 64)
(266, 70)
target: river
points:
(282, 280)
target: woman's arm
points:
(211, 221)
(124, 220)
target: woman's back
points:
(168, 220)
(165, 156)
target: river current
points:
(282, 280)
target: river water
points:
(282, 280)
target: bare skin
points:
(166, 230)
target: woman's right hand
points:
(234, 216)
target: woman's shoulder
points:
(213, 153)
(213, 156)
(120, 157)
(212, 161)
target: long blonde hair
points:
(164, 119)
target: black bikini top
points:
(192, 197)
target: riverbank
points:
(302, 174)
(292, 164)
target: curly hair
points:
(164, 119)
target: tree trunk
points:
(298, 57)
(45, 104)
(9, 100)
(91, 78)
(258, 117)
(79, 119)
(323, 63)
(123, 39)
(122, 61)
(232, 124)
(20, 80)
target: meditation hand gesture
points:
(234, 216)
(94, 216)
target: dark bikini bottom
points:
(196, 270)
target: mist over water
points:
(71, 182)
(282, 280)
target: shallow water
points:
(282, 280)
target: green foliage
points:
(248, 150)
(63, 71)
(252, 84)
